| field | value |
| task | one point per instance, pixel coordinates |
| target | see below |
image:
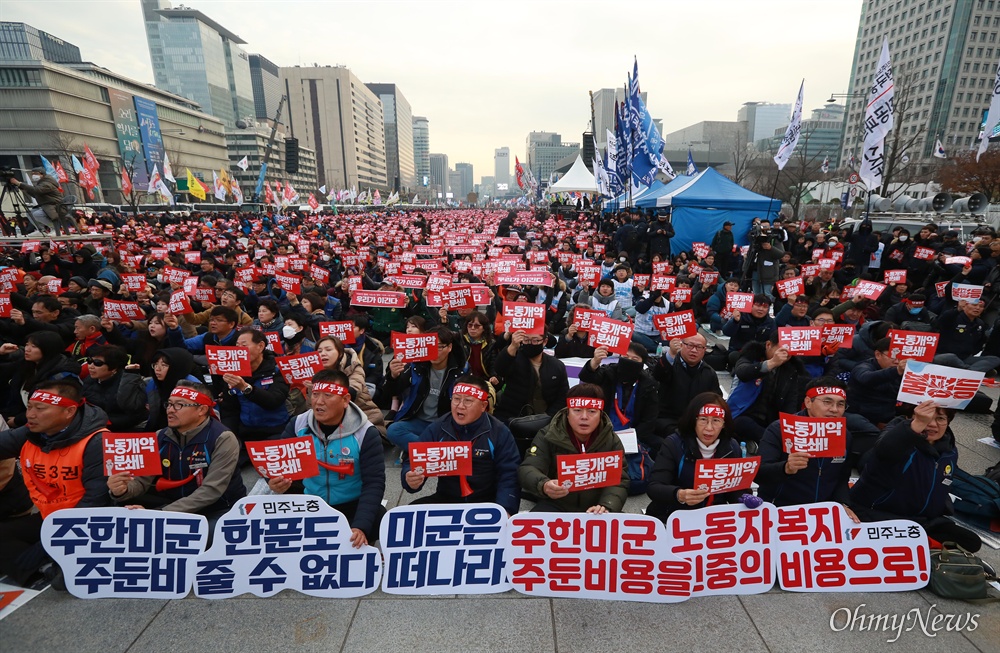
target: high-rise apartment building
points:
(422, 150)
(604, 112)
(944, 56)
(196, 57)
(439, 172)
(265, 79)
(332, 112)
(545, 150)
(398, 121)
(22, 42)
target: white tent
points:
(577, 180)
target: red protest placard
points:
(589, 275)
(320, 275)
(708, 277)
(159, 254)
(455, 297)
(913, 345)
(342, 330)
(288, 282)
(823, 437)
(842, 334)
(582, 317)
(589, 470)
(533, 278)
(179, 304)
(410, 280)
(133, 282)
(379, 299)
(662, 282)
(416, 347)
(204, 295)
(274, 342)
(228, 360)
(827, 264)
(893, 277)
(190, 285)
(136, 453)
(192, 257)
(739, 301)
(524, 316)
(924, 253)
(810, 270)
(291, 458)
(680, 295)
(641, 281)
(790, 287)
(120, 311)
(5, 305)
(701, 250)
(174, 275)
(801, 341)
(437, 282)
(299, 368)
(869, 289)
(613, 334)
(941, 287)
(441, 458)
(676, 325)
(725, 474)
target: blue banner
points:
(646, 141)
(149, 129)
(260, 183)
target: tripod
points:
(17, 201)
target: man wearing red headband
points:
(494, 454)
(348, 447)
(200, 455)
(62, 461)
(797, 478)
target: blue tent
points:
(621, 202)
(699, 206)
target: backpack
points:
(977, 498)
(639, 466)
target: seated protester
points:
(221, 331)
(580, 427)
(792, 479)
(481, 348)
(705, 431)
(863, 347)
(794, 313)
(42, 360)
(170, 365)
(853, 312)
(254, 406)
(268, 316)
(755, 326)
(716, 306)
(908, 473)
(631, 392)
(963, 335)
(911, 314)
(557, 302)
(296, 337)
(534, 382)
(787, 272)
(821, 286)
(88, 333)
(349, 450)
(874, 385)
(494, 454)
(573, 342)
(19, 524)
(200, 461)
(891, 296)
(624, 287)
(423, 388)
(603, 300)
(47, 314)
(231, 298)
(108, 386)
(335, 356)
(61, 451)
(644, 331)
(682, 374)
(370, 351)
(771, 381)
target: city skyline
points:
(727, 53)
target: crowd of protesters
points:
(74, 372)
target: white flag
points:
(992, 117)
(154, 181)
(168, 174)
(161, 188)
(243, 164)
(220, 188)
(237, 193)
(939, 150)
(791, 137)
(826, 165)
(322, 189)
(878, 121)
(600, 174)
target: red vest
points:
(54, 479)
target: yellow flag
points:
(224, 176)
(194, 186)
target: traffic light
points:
(291, 155)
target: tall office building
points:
(545, 150)
(820, 137)
(265, 79)
(22, 42)
(196, 57)
(422, 150)
(439, 172)
(464, 171)
(944, 57)
(398, 120)
(604, 112)
(763, 118)
(332, 112)
(501, 170)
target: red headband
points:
(52, 399)
(193, 395)
(585, 402)
(331, 389)
(812, 393)
(712, 410)
(471, 390)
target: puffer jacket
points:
(351, 365)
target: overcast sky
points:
(486, 73)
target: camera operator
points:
(762, 262)
(48, 195)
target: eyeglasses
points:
(534, 341)
(694, 346)
(176, 405)
(475, 325)
(96, 363)
(822, 320)
(464, 402)
(161, 363)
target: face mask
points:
(915, 311)
(903, 239)
(629, 370)
(532, 350)
(36, 178)
(288, 332)
(622, 259)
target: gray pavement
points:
(776, 621)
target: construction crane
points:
(242, 124)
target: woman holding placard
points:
(705, 431)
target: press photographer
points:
(48, 195)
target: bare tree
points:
(744, 157)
